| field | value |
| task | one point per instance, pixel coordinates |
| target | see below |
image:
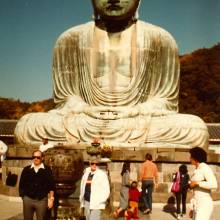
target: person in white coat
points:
(94, 191)
(202, 182)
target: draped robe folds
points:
(143, 113)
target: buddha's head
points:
(115, 10)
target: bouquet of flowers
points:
(94, 149)
(95, 142)
(106, 150)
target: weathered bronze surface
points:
(67, 166)
(115, 78)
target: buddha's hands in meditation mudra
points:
(76, 106)
(100, 112)
(111, 113)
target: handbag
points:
(11, 179)
(176, 184)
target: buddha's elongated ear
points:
(136, 14)
(95, 16)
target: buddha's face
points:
(115, 9)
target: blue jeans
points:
(147, 189)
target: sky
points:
(29, 29)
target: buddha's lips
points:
(114, 7)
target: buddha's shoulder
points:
(77, 30)
(154, 30)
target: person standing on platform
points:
(202, 182)
(149, 179)
(36, 187)
(3, 150)
(94, 191)
(45, 145)
(182, 194)
(125, 184)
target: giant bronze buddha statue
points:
(115, 78)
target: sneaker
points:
(178, 217)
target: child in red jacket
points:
(134, 195)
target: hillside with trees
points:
(199, 89)
(200, 84)
(14, 109)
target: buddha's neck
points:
(112, 26)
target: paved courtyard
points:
(11, 209)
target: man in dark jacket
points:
(36, 188)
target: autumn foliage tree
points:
(200, 84)
(14, 109)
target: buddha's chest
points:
(112, 67)
(115, 62)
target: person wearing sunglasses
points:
(36, 187)
(94, 190)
